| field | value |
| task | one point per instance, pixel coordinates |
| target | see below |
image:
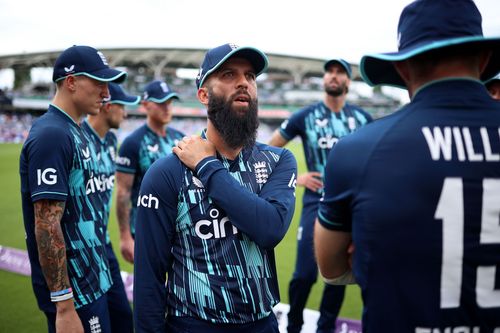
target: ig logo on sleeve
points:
(47, 176)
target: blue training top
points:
(320, 129)
(138, 151)
(104, 182)
(213, 232)
(421, 196)
(58, 163)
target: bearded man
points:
(320, 126)
(210, 216)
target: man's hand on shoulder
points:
(192, 149)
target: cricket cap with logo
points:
(85, 60)
(345, 65)
(215, 57)
(118, 96)
(426, 25)
(158, 92)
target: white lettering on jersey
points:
(441, 141)
(148, 201)
(122, 160)
(101, 183)
(293, 183)
(327, 142)
(216, 229)
(47, 176)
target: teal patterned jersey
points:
(58, 163)
(138, 151)
(320, 129)
(214, 232)
(104, 182)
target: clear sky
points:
(312, 28)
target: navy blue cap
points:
(158, 92)
(426, 25)
(215, 57)
(341, 62)
(118, 96)
(85, 60)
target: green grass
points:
(18, 309)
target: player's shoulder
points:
(136, 136)
(168, 168)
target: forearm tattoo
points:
(50, 242)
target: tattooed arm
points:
(52, 256)
(124, 182)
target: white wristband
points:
(346, 278)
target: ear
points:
(70, 82)
(203, 95)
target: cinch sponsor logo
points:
(47, 176)
(101, 183)
(216, 228)
(148, 201)
(327, 142)
(122, 160)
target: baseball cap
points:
(426, 25)
(158, 92)
(215, 57)
(118, 96)
(85, 60)
(341, 62)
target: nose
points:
(242, 82)
(105, 90)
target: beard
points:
(336, 92)
(237, 126)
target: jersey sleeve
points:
(265, 217)
(127, 160)
(334, 208)
(291, 127)
(50, 157)
(156, 214)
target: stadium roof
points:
(161, 60)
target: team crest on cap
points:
(103, 58)
(164, 87)
(69, 69)
(233, 46)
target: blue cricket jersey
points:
(104, 182)
(421, 196)
(58, 163)
(137, 152)
(213, 232)
(320, 129)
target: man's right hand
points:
(67, 320)
(127, 247)
(310, 180)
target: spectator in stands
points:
(64, 232)
(210, 215)
(138, 151)
(415, 195)
(111, 115)
(320, 126)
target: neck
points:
(159, 129)
(335, 103)
(222, 148)
(100, 126)
(67, 106)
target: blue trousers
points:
(193, 325)
(304, 277)
(120, 312)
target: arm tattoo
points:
(50, 242)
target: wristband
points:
(61, 295)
